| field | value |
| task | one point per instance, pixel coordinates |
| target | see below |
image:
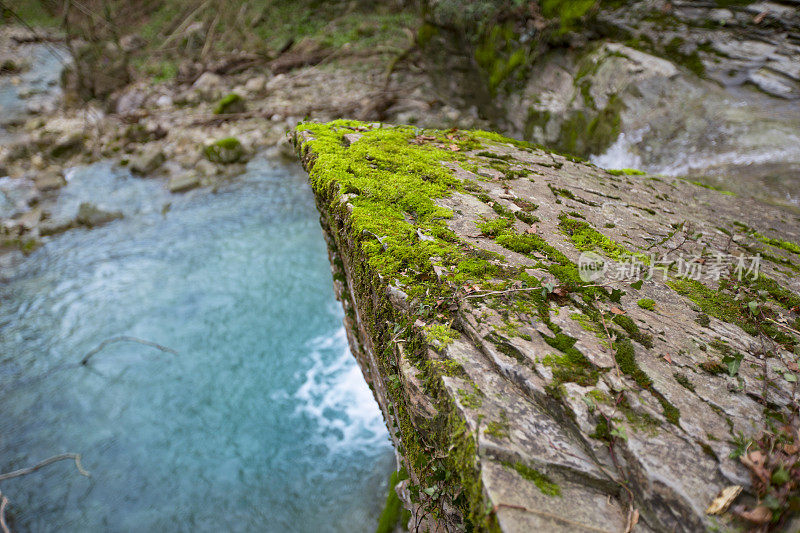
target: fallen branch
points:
(125, 338)
(25, 471)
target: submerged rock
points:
(556, 347)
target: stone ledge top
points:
(618, 346)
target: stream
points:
(262, 422)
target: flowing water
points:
(261, 422)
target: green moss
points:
(647, 303)
(683, 381)
(494, 227)
(583, 135)
(232, 103)
(571, 365)
(689, 60)
(393, 514)
(625, 172)
(712, 187)
(225, 151)
(626, 361)
(586, 238)
(439, 335)
(542, 481)
(568, 12)
(632, 329)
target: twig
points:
(25, 471)
(125, 338)
(787, 328)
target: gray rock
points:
(184, 182)
(91, 216)
(49, 181)
(148, 161)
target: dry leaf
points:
(454, 148)
(560, 291)
(532, 229)
(760, 17)
(791, 365)
(617, 311)
(667, 358)
(724, 499)
(759, 515)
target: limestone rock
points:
(547, 401)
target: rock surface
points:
(523, 390)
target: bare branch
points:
(25, 471)
(125, 338)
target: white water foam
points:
(336, 397)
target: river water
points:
(262, 422)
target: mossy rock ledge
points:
(522, 398)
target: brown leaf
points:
(532, 229)
(759, 515)
(760, 17)
(667, 358)
(453, 148)
(617, 311)
(560, 291)
(724, 499)
(791, 365)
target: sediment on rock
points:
(522, 396)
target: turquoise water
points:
(262, 422)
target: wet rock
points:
(148, 161)
(225, 151)
(91, 216)
(184, 182)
